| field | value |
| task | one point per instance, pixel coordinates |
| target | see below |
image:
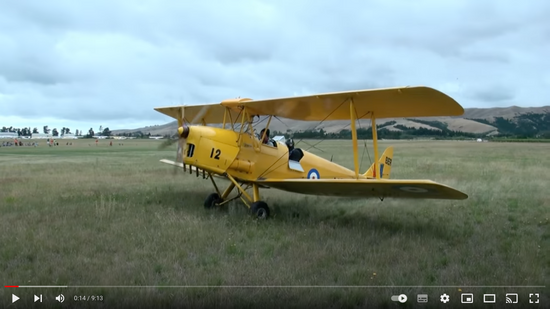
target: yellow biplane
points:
(232, 150)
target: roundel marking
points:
(413, 189)
(313, 174)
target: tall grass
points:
(83, 215)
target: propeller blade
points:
(182, 143)
(167, 143)
(181, 117)
(200, 114)
(181, 147)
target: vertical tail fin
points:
(385, 162)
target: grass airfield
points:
(87, 215)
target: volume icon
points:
(60, 298)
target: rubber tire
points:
(260, 210)
(212, 200)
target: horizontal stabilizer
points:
(368, 188)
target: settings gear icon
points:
(444, 298)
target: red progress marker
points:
(11, 286)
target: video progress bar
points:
(36, 286)
(278, 286)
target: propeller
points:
(183, 133)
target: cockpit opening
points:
(265, 139)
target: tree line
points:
(383, 133)
(521, 126)
(27, 131)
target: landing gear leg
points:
(217, 198)
(258, 208)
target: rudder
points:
(385, 162)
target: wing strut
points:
(354, 138)
(375, 145)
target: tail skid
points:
(384, 162)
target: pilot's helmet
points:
(290, 143)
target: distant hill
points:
(163, 129)
(481, 121)
(505, 112)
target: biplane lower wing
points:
(367, 188)
(192, 168)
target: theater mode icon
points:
(489, 298)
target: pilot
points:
(265, 139)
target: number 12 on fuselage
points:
(215, 153)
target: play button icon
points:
(14, 298)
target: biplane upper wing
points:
(212, 113)
(365, 188)
(383, 103)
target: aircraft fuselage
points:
(244, 157)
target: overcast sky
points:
(88, 63)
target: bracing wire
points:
(365, 142)
(311, 146)
(365, 149)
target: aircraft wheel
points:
(260, 210)
(212, 201)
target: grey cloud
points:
(106, 60)
(481, 56)
(495, 94)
